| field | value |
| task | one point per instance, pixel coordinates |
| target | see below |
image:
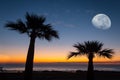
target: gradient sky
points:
(71, 18)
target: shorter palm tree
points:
(91, 49)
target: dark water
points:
(63, 66)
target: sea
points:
(61, 66)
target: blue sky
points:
(71, 18)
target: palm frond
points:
(34, 22)
(93, 46)
(80, 47)
(47, 32)
(72, 54)
(18, 26)
(106, 53)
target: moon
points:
(101, 21)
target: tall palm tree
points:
(91, 49)
(35, 27)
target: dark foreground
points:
(58, 75)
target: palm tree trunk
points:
(29, 60)
(90, 71)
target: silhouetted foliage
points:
(34, 27)
(91, 49)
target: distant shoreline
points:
(62, 66)
(73, 71)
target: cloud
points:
(67, 11)
(70, 25)
(90, 11)
(63, 24)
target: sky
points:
(71, 18)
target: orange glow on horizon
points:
(47, 55)
(6, 59)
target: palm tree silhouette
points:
(35, 28)
(91, 49)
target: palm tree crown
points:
(34, 26)
(91, 48)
